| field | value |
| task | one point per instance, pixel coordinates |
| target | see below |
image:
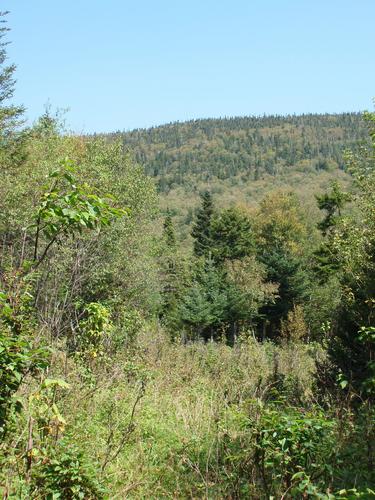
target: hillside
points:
(241, 159)
(248, 148)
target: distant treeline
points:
(247, 147)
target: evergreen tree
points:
(285, 269)
(9, 114)
(12, 141)
(247, 291)
(203, 308)
(326, 260)
(231, 235)
(244, 148)
(282, 236)
(201, 231)
(333, 203)
(174, 276)
(169, 267)
(169, 232)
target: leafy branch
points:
(68, 208)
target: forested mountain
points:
(248, 148)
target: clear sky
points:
(120, 64)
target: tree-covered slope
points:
(248, 148)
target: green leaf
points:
(298, 475)
(50, 382)
(343, 384)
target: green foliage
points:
(221, 296)
(19, 356)
(93, 332)
(333, 203)
(203, 307)
(294, 328)
(9, 114)
(65, 473)
(174, 275)
(282, 239)
(291, 445)
(52, 466)
(92, 274)
(125, 333)
(281, 223)
(247, 292)
(353, 246)
(286, 270)
(231, 235)
(326, 260)
(12, 139)
(169, 232)
(243, 149)
(201, 230)
(67, 208)
(367, 338)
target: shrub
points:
(63, 472)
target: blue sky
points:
(119, 65)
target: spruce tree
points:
(9, 113)
(288, 272)
(173, 274)
(12, 141)
(326, 261)
(333, 203)
(201, 231)
(203, 308)
(231, 236)
(282, 235)
(169, 232)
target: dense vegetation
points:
(210, 350)
(240, 159)
(244, 147)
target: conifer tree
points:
(203, 307)
(332, 202)
(173, 271)
(201, 231)
(12, 141)
(281, 239)
(9, 113)
(231, 236)
(326, 260)
(287, 270)
(169, 232)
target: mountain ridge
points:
(188, 153)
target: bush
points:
(291, 445)
(65, 473)
(19, 354)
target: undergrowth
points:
(168, 420)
